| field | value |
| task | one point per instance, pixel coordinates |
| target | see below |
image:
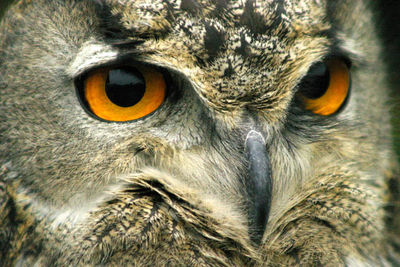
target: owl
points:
(195, 133)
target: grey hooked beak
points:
(259, 184)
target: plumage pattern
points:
(171, 189)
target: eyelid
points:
(90, 56)
(347, 56)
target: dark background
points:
(388, 21)
(388, 14)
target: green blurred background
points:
(388, 12)
(3, 5)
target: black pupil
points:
(125, 87)
(315, 84)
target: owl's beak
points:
(259, 184)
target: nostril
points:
(259, 184)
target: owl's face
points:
(211, 121)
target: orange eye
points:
(325, 88)
(123, 94)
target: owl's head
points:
(142, 131)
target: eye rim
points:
(304, 101)
(80, 88)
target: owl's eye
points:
(123, 94)
(325, 88)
